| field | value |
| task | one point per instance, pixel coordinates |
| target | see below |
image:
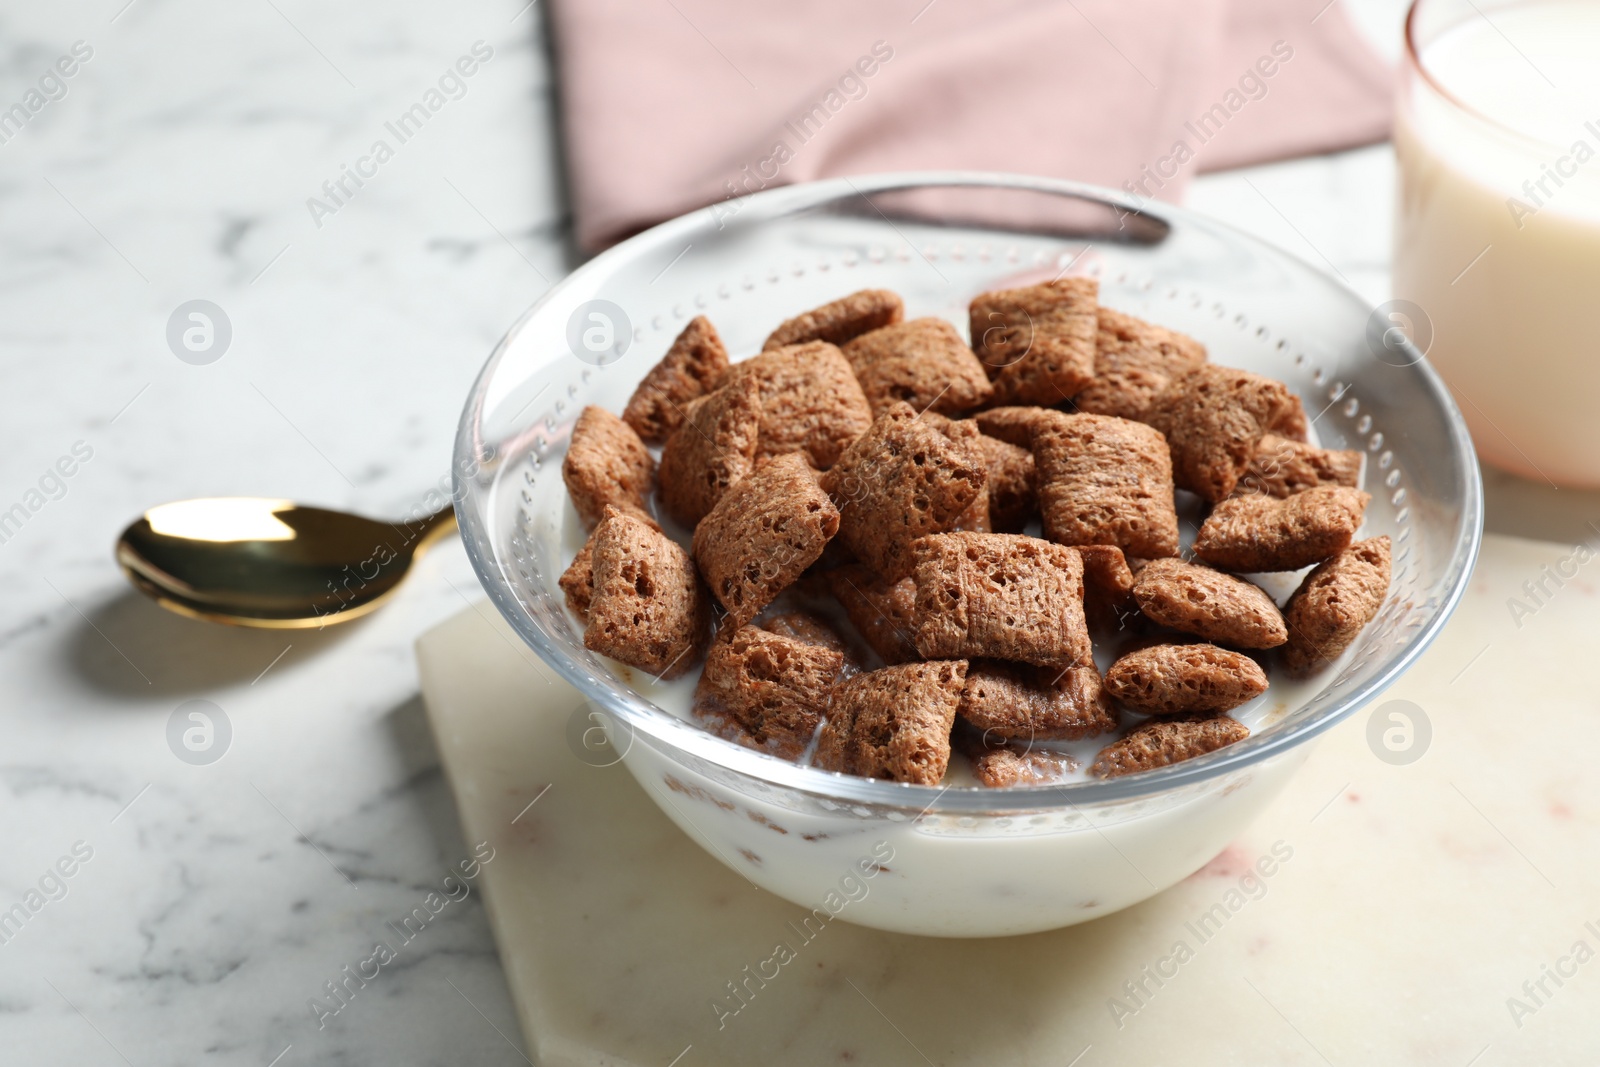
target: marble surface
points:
(1387, 908)
(220, 898)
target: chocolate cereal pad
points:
(648, 608)
(1263, 533)
(766, 690)
(1106, 481)
(1282, 467)
(1180, 679)
(1214, 418)
(1164, 742)
(924, 363)
(901, 480)
(1334, 603)
(1013, 484)
(1037, 343)
(883, 612)
(811, 402)
(999, 596)
(712, 448)
(894, 723)
(606, 463)
(762, 534)
(1019, 703)
(1134, 361)
(841, 321)
(883, 461)
(1209, 604)
(1000, 764)
(1015, 425)
(694, 366)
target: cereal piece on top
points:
(1001, 764)
(902, 479)
(1282, 467)
(1334, 602)
(577, 581)
(606, 463)
(1291, 422)
(1037, 343)
(841, 321)
(1107, 585)
(883, 612)
(966, 434)
(766, 690)
(1214, 418)
(768, 528)
(804, 626)
(1182, 679)
(1013, 479)
(1019, 703)
(1165, 742)
(713, 448)
(975, 519)
(1134, 361)
(692, 367)
(1012, 765)
(999, 596)
(1106, 481)
(923, 362)
(1257, 532)
(1015, 425)
(810, 401)
(831, 753)
(894, 723)
(1209, 604)
(648, 608)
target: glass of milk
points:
(1497, 241)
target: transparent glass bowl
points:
(957, 861)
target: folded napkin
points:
(671, 105)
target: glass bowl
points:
(956, 861)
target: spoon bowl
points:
(274, 564)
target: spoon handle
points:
(425, 531)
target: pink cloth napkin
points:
(670, 105)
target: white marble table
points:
(218, 899)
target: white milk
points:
(992, 875)
(1498, 233)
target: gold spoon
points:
(251, 561)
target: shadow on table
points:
(471, 959)
(1517, 507)
(415, 752)
(130, 647)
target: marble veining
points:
(221, 899)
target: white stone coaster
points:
(1440, 911)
